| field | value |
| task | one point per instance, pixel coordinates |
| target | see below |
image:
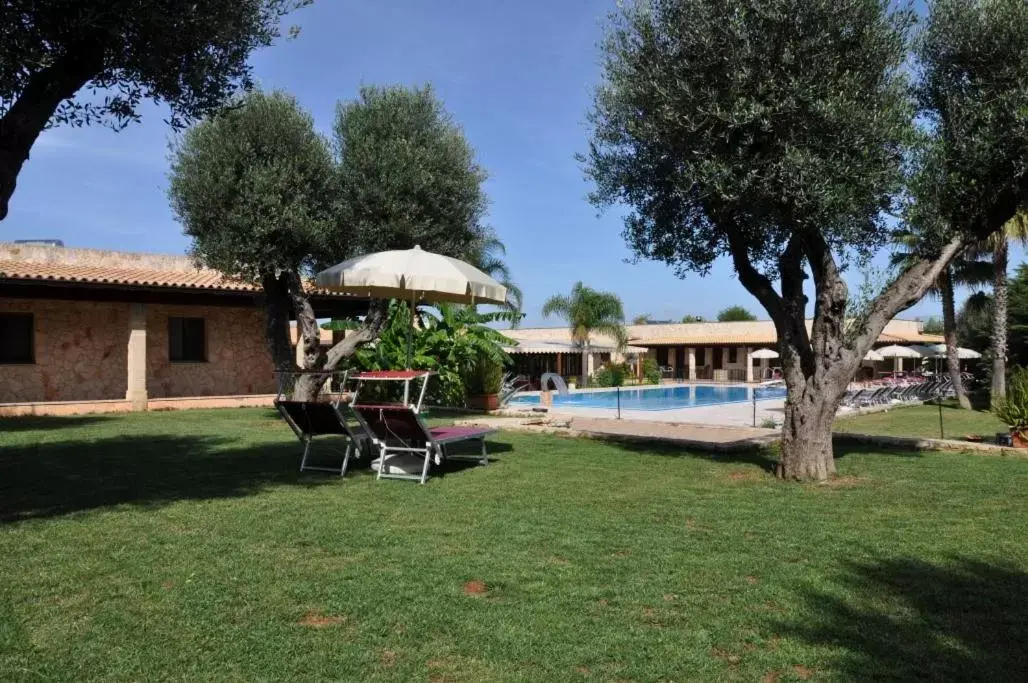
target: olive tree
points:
(269, 200)
(188, 55)
(777, 133)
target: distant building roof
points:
(748, 333)
(530, 346)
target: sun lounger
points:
(397, 431)
(310, 419)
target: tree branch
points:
(830, 298)
(755, 282)
(374, 321)
(32, 111)
(905, 291)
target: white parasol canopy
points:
(764, 353)
(873, 355)
(413, 274)
(899, 352)
(962, 353)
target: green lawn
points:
(923, 421)
(186, 546)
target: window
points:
(701, 356)
(662, 356)
(17, 345)
(733, 354)
(187, 340)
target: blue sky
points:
(517, 75)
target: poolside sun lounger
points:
(397, 431)
(309, 419)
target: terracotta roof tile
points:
(61, 272)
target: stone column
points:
(692, 363)
(749, 364)
(136, 389)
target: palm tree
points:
(965, 270)
(487, 255)
(587, 310)
(1015, 229)
(642, 319)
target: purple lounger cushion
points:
(458, 433)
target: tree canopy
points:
(735, 314)
(187, 55)
(408, 175)
(255, 186)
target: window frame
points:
(32, 337)
(184, 359)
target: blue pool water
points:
(655, 398)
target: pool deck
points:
(696, 436)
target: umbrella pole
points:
(410, 332)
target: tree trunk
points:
(819, 363)
(949, 328)
(585, 365)
(806, 450)
(21, 125)
(999, 320)
(312, 357)
(277, 315)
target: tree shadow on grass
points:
(32, 423)
(51, 479)
(906, 619)
(844, 447)
(764, 458)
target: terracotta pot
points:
(484, 402)
(1018, 439)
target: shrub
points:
(1014, 408)
(650, 371)
(610, 375)
(486, 377)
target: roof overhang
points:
(324, 305)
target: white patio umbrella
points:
(873, 355)
(899, 352)
(895, 351)
(764, 353)
(412, 275)
(962, 353)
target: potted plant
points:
(1013, 410)
(484, 385)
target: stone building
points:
(84, 330)
(685, 352)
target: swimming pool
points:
(655, 398)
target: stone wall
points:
(80, 352)
(238, 361)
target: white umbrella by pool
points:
(764, 353)
(899, 352)
(962, 353)
(412, 275)
(873, 355)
